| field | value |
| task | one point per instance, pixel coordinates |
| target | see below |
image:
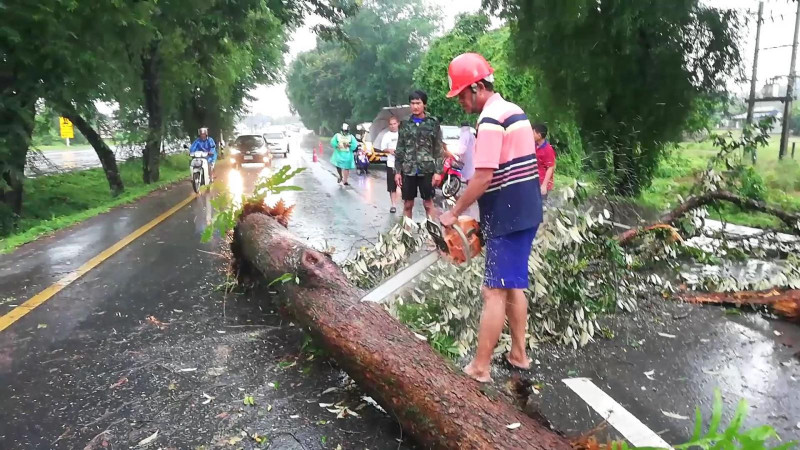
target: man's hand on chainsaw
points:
(448, 219)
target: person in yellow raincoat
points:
(344, 144)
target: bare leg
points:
(346, 176)
(517, 312)
(492, 321)
(408, 207)
(430, 209)
(393, 197)
(339, 171)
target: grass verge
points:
(677, 174)
(55, 202)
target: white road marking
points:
(390, 286)
(623, 421)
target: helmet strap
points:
(474, 89)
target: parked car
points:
(277, 143)
(249, 149)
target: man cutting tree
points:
(506, 187)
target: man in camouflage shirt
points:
(418, 157)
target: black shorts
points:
(391, 185)
(421, 183)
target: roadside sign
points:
(67, 132)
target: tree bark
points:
(17, 114)
(783, 302)
(151, 83)
(792, 220)
(434, 402)
(107, 158)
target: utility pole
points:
(787, 106)
(752, 101)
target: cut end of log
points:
(279, 211)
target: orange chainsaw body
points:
(461, 242)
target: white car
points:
(277, 143)
(451, 134)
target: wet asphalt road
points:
(149, 340)
(89, 366)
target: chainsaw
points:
(460, 242)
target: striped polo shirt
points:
(513, 201)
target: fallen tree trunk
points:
(792, 220)
(783, 302)
(433, 401)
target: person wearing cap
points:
(344, 144)
(506, 187)
(205, 143)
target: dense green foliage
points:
(171, 66)
(630, 71)
(373, 67)
(521, 85)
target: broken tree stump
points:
(783, 302)
(434, 402)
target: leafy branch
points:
(732, 437)
(228, 210)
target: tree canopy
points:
(170, 65)
(350, 79)
(629, 70)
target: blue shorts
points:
(507, 260)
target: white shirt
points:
(389, 142)
(466, 149)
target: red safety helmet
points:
(465, 70)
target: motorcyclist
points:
(205, 143)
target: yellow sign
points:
(67, 132)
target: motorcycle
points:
(451, 177)
(201, 172)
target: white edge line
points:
(394, 283)
(618, 417)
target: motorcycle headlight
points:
(235, 151)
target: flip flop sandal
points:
(511, 366)
(392, 210)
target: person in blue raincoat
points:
(205, 143)
(344, 144)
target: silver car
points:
(277, 143)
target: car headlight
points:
(235, 151)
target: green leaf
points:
(285, 278)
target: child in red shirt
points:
(546, 159)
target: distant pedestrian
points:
(506, 186)
(418, 158)
(344, 144)
(388, 145)
(545, 158)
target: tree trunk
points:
(151, 65)
(17, 117)
(783, 302)
(107, 158)
(433, 401)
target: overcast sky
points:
(777, 30)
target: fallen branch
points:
(792, 220)
(783, 302)
(433, 401)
